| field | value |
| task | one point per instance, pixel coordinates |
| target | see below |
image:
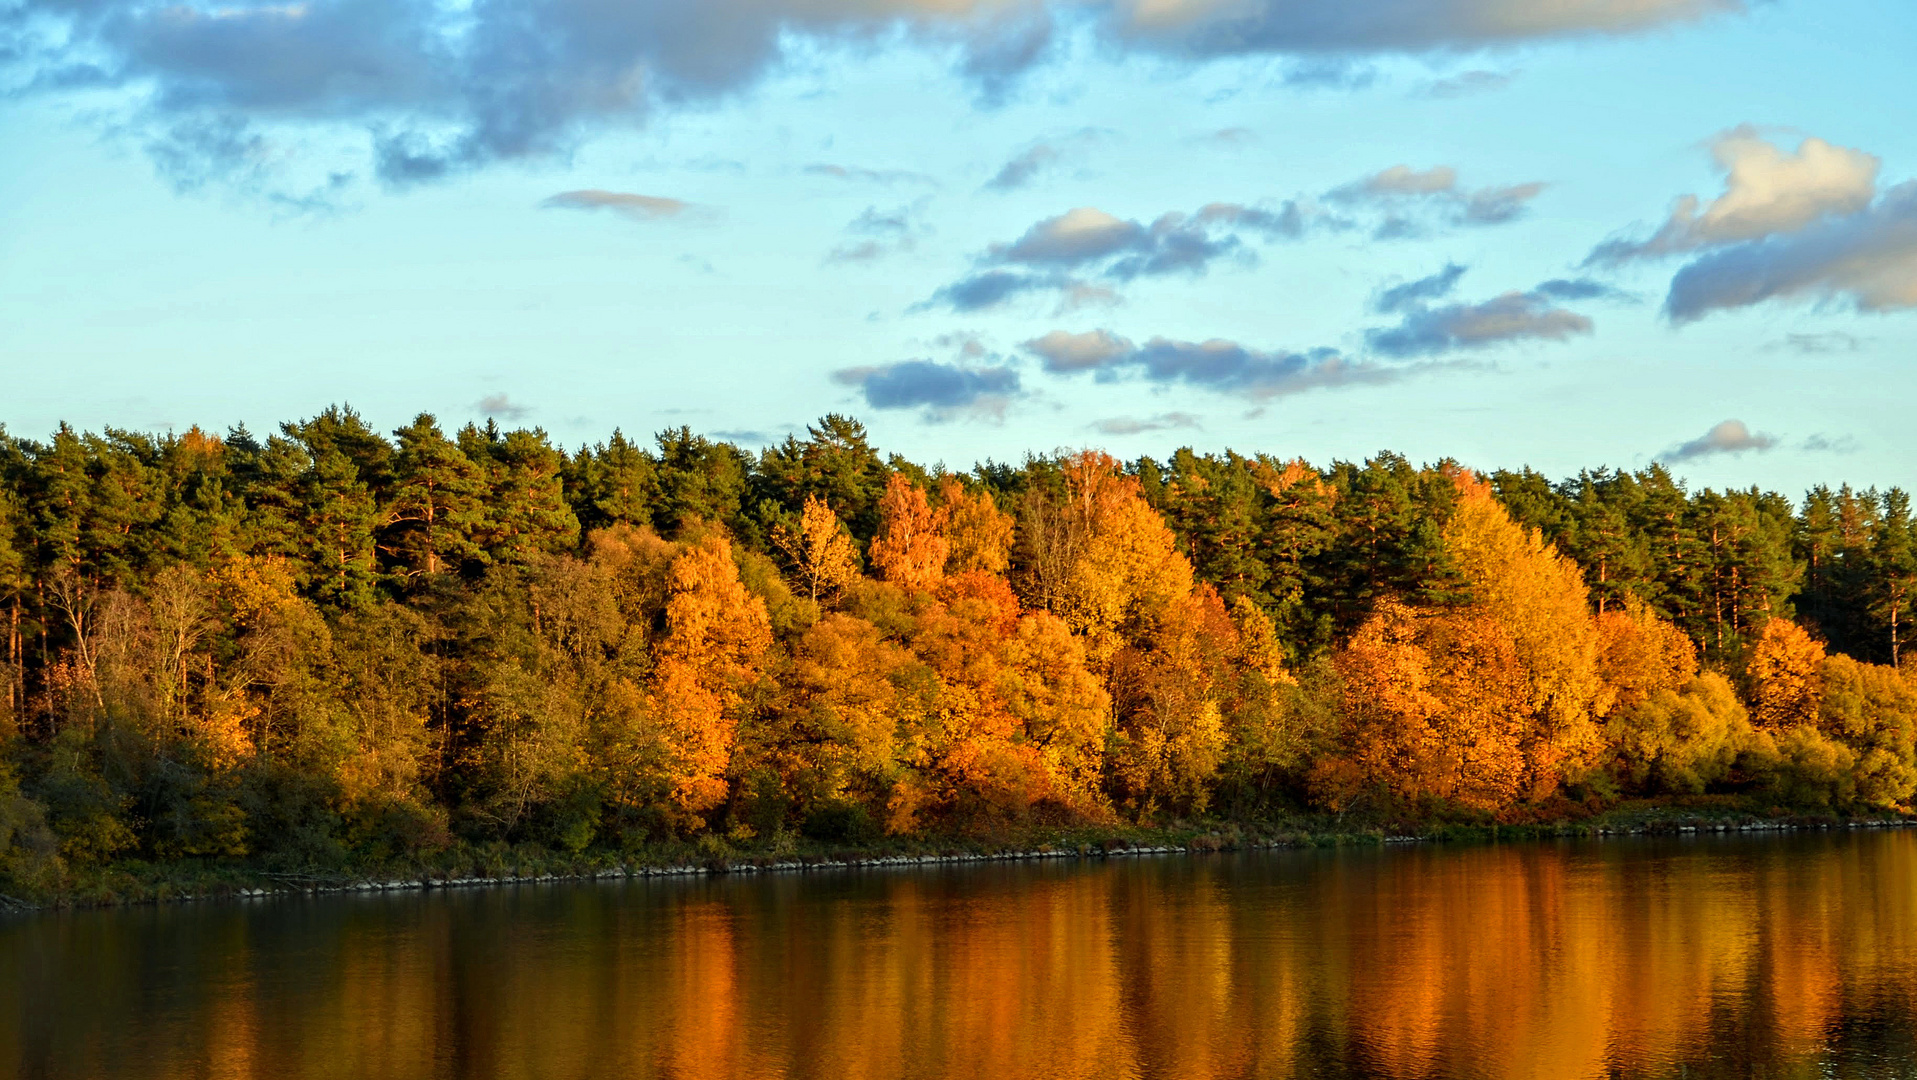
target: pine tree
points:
(1893, 571)
(435, 506)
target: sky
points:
(1555, 233)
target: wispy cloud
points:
(625, 203)
(501, 406)
(876, 233)
(1042, 156)
(859, 175)
(1132, 425)
(1427, 328)
(1218, 365)
(1416, 200)
(1466, 83)
(1069, 253)
(1819, 344)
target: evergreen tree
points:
(435, 505)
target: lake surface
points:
(1791, 956)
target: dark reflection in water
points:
(1716, 957)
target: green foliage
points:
(1681, 742)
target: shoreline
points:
(243, 884)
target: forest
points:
(332, 645)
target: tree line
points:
(334, 644)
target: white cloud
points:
(1727, 437)
(1767, 191)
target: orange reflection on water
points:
(1710, 957)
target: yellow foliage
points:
(1127, 570)
(1168, 699)
(910, 549)
(1539, 598)
(978, 535)
(820, 550)
(1785, 671)
(1061, 705)
(254, 586)
(1258, 642)
(712, 622)
(1680, 740)
(1872, 708)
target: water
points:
(1725, 956)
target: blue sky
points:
(982, 226)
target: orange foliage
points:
(1434, 705)
(910, 548)
(717, 634)
(1641, 655)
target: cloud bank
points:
(1867, 259)
(1806, 224)
(434, 88)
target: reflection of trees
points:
(1721, 958)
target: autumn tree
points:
(978, 535)
(910, 548)
(1785, 677)
(1538, 598)
(717, 637)
(1640, 654)
(819, 550)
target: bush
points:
(840, 821)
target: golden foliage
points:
(910, 548)
(1641, 654)
(978, 535)
(1259, 649)
(1539, 598)
(1872, 708)
(1435, 704)
(1119, 568)
(717, 635)
(1680, 740)
(1785, 672)
(820, 549)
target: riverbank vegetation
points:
(330, 648)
